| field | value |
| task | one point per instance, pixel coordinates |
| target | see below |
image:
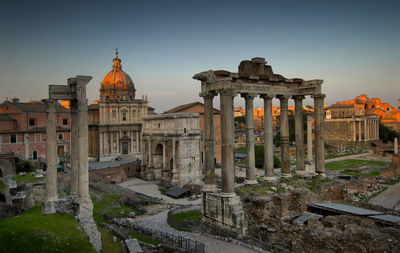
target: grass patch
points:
(32, 232)
(28, 178)
(144, 238)
(185, 220)
(352, 163)
(108, 245)
(187, 216)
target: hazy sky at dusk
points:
(353, 45)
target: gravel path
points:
(212, 245)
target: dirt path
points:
(389, 198)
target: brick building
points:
(23, 129)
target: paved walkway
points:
(212, 245)
(390, 198)
(150, 188)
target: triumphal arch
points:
(254, 78)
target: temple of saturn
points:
(254, 78)
(79, 202)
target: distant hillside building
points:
(115, 123)
(198, 107)
(357, 120)
(23, 129)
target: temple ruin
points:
(254, 78)
(79, 202)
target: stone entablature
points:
(171, 148)
(253, 79)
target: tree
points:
(387, 134)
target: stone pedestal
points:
(226, 212)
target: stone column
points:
(299, 134)
(309, 139)
(118, 148)
(112, 143)
(268, 138)
(150, 142)
(285, 148)
(85, 203)
(396, 145)
(51, 158)
(164, 159)
(209, 164)
(74, 148)
(251, 171)
(227, 143)
(359, 130)
(365, 129)
(175, 178)
(354, 129)
(319, 133)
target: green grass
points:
(185, 220)
(32, 232)
(187, 216)
(352, 163)
(108, 245)
(28, 178)
(144, 238)
(336, 155)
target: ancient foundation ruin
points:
(253, 79)
(79, 202)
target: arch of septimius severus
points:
(254, 78)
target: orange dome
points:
(116, 83)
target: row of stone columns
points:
(228, 138)
(371, 129)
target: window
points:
(61, 136)
(134, 113)
(65, 121)
(60, 150)
(124, 116)
(114, 114)
(34, 155)
(13, 138)
(31, 122)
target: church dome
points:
(116, 84)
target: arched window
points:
(34, 155)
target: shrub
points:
(25, 166)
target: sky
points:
(354, 46)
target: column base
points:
(300, 172)
(286, 175)
(49, 207)
(250, 182)
(209, 188)
(227, 194)
(85, 208)
(270, 179)
(224, 210)
(322, 175)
